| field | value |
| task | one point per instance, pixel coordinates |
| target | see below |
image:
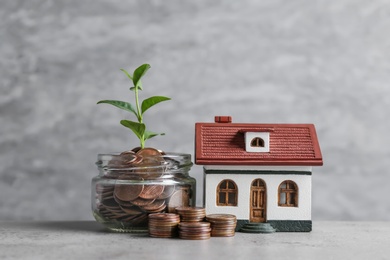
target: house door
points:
(258, 203)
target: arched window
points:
(227, 193)
(257, 142)
(288, 194)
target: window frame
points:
(226, 190)
(291, 189)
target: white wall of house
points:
(244, 181)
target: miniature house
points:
(259, 172)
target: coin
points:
(129, 218)
(191, 214)
(131, 210)
(194, 225)
(107, 194)
(178, 199)
(103, 188)
(222, 225)
(136, 149)
(151, 191)
(141, 220)
(164, 216)
(191, 237)
(163, 225)
(123, 203)
(128, 192)
(221, 217)
(168, 191)
(128, 158)
(142, 202)
(194, 230)
(109, 203)
(156, 206)
(145, 152)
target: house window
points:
(288, 194)
(257, 142)
(227, 193)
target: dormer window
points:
(257, 142)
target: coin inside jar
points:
(128, 192)
(156, 206)
(167, 192)
(151, 191)
(179, 198)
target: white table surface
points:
(88, 240)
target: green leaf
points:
(139, 73)
(150, 134)
(120, 104)
(149, 102)
(137, 128)
(127, 74)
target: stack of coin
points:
(194, 230)
(191, 214)
(163, 225)
(222, 225)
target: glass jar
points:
(129, 187)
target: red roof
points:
(224, 144)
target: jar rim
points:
(167, 162)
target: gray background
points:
(276, 61)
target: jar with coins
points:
(131, 185)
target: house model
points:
(259, 172)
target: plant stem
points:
(139, 116)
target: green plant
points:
(138, 128)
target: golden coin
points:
(151, 191)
